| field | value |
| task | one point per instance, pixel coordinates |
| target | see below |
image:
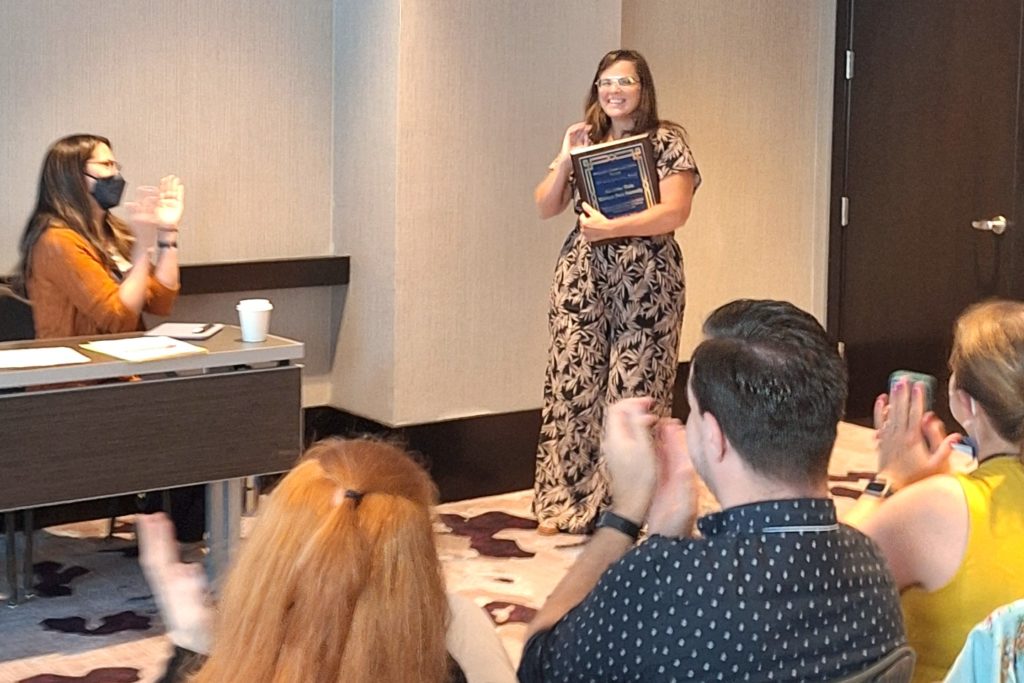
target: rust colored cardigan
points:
(74, 294)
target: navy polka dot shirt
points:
(774, 591)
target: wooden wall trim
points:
(467, 457)
(243, 276)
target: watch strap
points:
(611, 520)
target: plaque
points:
(619, 177)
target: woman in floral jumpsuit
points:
(617, 299)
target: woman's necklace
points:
(998, 455)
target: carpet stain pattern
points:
(104, 675)
(94, 619)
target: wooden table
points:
(211, 418)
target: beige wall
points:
(445, 316)
(362, 378)
(409, 134)
(235, 98)
(752, 83)
(486, 90)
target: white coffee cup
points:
(254, 319)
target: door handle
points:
(996, 225)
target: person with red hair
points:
(339, 581)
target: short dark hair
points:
(776, 385)
(767, 319)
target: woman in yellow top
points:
(954, 542)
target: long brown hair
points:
(63, 200)
(646, 116)
(340, 579)
(988, 361)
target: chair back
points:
(895, 667)
(15, 316)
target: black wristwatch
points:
(613, 521)
(879, 487)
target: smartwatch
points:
(613, 521)
(879, 488)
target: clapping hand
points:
(628, 448)
(912, 442)
(179, 589)
(674, 506)
(171, 202)
(158, 207)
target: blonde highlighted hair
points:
(988, 362)
(340, 579)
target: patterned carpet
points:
(94, 619)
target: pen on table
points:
(201, 328)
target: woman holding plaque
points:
(616, 304)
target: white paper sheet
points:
(139, 349)
(195, 331)
(40, 357)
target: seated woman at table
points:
(84, 269)
(954, 541)
(338, 581)
(87, 272)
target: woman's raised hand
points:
(912, 442)
(576, 135)
(170, 202)
(155, 209)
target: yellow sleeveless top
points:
(991, 573)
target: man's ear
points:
(714, 437)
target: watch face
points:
(879, 487)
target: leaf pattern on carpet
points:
(113, 623)
(509, 612)
(106, 675)
(481, 529)
(53, 581)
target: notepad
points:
(40, 357)
(140, 349)
(194, 331)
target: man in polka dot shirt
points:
(772, 588)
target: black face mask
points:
(107, 191)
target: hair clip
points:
(357, 496)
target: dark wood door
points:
(926, 142)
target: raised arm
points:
(179, 590)
(628, 450)
(922, 530)
(553, 193)
(154, 218)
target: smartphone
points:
(930, 384)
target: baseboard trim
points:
(467, 457)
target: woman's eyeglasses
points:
(621, 81)
(109, 164)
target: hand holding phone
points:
(930, 384)
(912, 442)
